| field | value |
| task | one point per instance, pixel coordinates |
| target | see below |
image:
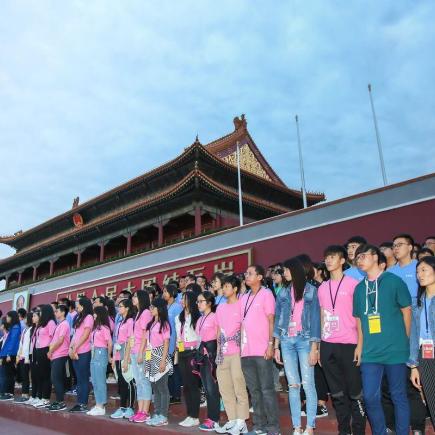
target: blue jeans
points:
(82, 370)
(294, 349)
(372, 379)
(143, 385)
(98, 374)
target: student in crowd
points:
(158, 364)
(351, 246)
(170, 292)
(101, 355)
(152, 293)
(422, 340)
(190, 279)
(8, 355)
(58, 355)
(80, 352)
(181, 287)
(206, 329)
(23, 358)
(22, 315)
(406, 267)
(297, 330)
(72, 313)
(339, 341)
(319, 377)
(424, 252)
(231, 381)
(278, 279)
(216, 286)
(187, 344)
(111, 311)
(137, 346)
(430, 243)
(320, 272)
(257, 309)
(387, 249)
(123, 332)
(201, 280)
(382, 306)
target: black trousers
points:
(191, 391)
(58, 376)
(174, 381)
(42, 372)
(344, 380)
(9, 373)
(208, 371)
(24, 370)
(127, 390)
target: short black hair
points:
(66, 302)
(233, 281)
(356, 239)
(405, 236)
(191, 276)
(386, 245)
(382, 258)
(259, 270)
(335, 249)
(421, 251)
(126, 293)
(367, 247)
(63, 309)
(172, 290)
(22, 313)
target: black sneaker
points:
(5, 397)
(322, 411)
(175, 400)
(57, 406)
(76, 408)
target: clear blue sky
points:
(93, 93)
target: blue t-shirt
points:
(425, 334)
(355, 273)
(173, 311)
(409, 274)
(220, 299)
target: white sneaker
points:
(230, 424)
(96, 410)
(36, 402)
(238, 428)
(29, 401)
(42, 403)
(189, 422)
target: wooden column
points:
(7, 281)
(102, 244)
(198, 223)
(160, 234)
(35, 272)
(52, 261)
(129, 236)
(20, 276)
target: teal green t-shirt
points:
(391, 345)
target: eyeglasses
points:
(200, 301)
(363, 256)
(398, 245)
(250, 274)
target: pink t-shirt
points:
(339, 325)
(206, 327)
(254, 310)
(298, 308)
(88, 322)
(101, 337)
(45, 334)
(229, 320)
(140, 326)
(157, 338)
(62, 330)
(125, 331)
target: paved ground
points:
(12, 427)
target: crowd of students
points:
(359, 327)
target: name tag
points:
(427, 349)
(374, 324)
(292, 332)
(334, 323)
(180, 346)
(148, 354)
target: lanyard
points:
(425, 315)
(292, 302)
(248, 307)
(334, 300)
(369, 292)
(219, 301)
(202, 323)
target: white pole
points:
(301, 164)
(239, 177)
(378, 138)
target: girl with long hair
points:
(137, 345)
(158, 364)
(297, 330)
(120, 364)
(187, 344)
(422, 337)
(80, 352)
(23, 358)
(101, 355)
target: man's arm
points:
(406, 313)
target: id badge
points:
(244, 337)
(374, 324)
(427, 349)
(292, 329)
(334, 323)
(148, 354)
(181, 346)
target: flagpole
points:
(378, 137)
(239, 178)
(301, 163)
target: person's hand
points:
(278, 357)
(357, 355)
(162, 366)
(8, 359)
(313, 357)
(49, 355)
(269, 352)
(140, 358)
(415, 378)
(124, 365)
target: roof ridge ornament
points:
(240, 123)
(76, 202)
